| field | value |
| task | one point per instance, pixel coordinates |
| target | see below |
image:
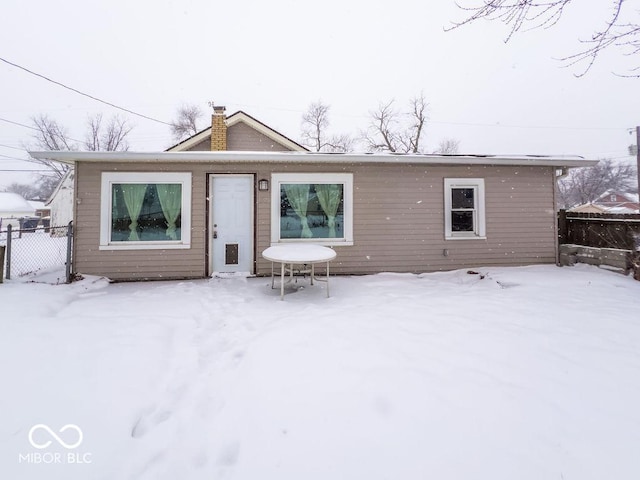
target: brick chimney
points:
(218, 129)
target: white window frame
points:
(479, 220)
(106, 190)
(346, 179)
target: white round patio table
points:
(290, 254)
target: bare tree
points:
(25, 190)
(584, 185)
(398, 132)
(186, 122)
(315, 122)
(448, 146)
(620, 29)
(50, 135)
(41, 189)
(111, 138)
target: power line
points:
(9, 146)
(82, 93)
(29, 171)
(19, 124)
(16, 158)
(33, 128)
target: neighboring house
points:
(188, 214)
(61, 202)
(13, 207)
(41, 210)
(588, 208)
(611, 202)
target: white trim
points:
(344, 178)
(211, 195)
(479, 220)
(311, 157)
(108, 178)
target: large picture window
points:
(464, 208)
(145, 210)
(312, 207)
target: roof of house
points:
(38, 205)
(233, 119)
(313, 157)
(632, 197)
(15, 203)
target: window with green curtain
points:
(146, 212)
(311, 211)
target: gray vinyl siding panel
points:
(241, 137)
(203, 146)
(398, 220)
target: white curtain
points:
(133, 194)
(170, 196)
(298, 195)
(329, 196)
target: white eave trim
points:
(310, 157)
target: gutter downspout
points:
(559, 174)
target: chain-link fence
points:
(33, 250)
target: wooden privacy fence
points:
(601, 230)
(604, 239)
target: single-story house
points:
(12, 208)
(187, 214)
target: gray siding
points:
(398, 220)
(203, 146)
(241, 137)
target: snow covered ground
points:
(518, 373)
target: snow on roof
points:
(13, 203)
(37, 205)
(315, 157)
(622, 210)
(634, 197)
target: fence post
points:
(2, 247)
(69, 246)
(8, 251)
(562, 226)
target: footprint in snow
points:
(147, 422)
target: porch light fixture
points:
(263, 185)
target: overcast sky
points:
(272, 59)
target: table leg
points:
(327, 279)
(272, 276)
(313, 272)
(282, 281)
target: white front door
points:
(231, 223)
